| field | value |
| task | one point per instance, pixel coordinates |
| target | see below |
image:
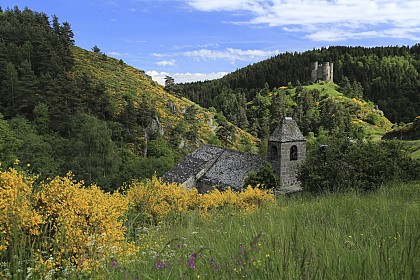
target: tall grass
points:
(336, 236)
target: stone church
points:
(211, 166)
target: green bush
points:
(355, 165)
(265, 178)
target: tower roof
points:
(287, 131)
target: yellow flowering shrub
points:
(252, 197)
(248, 200)
(85, 229)
(86, 225)
(17, 214)
(216, 199)
(157, 200)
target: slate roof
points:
(231, 169)
(287, 131)
(222, 167)
(193, 164)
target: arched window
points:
(273, 152)
(293, 153)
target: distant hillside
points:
(64, 109)
(177, 119)
(389, 77)
(323, 107)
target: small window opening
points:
(273, 152)
(293, 153)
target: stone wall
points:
(289, 167)
(324, 71)
(284, 167)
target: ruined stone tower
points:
(286, 149)
(324, 71)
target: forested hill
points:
(389, 77)
(64, 109)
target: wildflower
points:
(213, 264)
(113, 263)
(241, 252)
(160, 265)
(191, 261)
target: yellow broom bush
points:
(156, 200)
(86, 226)
(17, 214)
(67, 225)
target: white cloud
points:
(184, 77)
(158, 76)
(120, 55)
(194, 77)
(318, 18)
(170, 62)
(223, 5)
(229, 54)
(114, 54)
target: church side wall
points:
(289, 168)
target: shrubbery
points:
(265, 178)
(60, 226)
(154, 200)
(355, 165)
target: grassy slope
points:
(361, 108)
(413, 146)
(123, 80)
(337, 236)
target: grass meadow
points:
(334, 236)
(63, 230)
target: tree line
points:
(55, 121)
(389, 77)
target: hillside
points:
(65, 109)
(323, 106)
(389, 77)
(177, 119)
(362, 114)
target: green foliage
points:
(312, 106)
(9, 144)
(68, 109)
(409, 131)
(35, 150)
(96, 49)
(354, 165)
(159, 148)
(265, 178)
(388, 76)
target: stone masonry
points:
(286, 150)
(211, 166)
(324, 71)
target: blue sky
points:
(205, 39)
